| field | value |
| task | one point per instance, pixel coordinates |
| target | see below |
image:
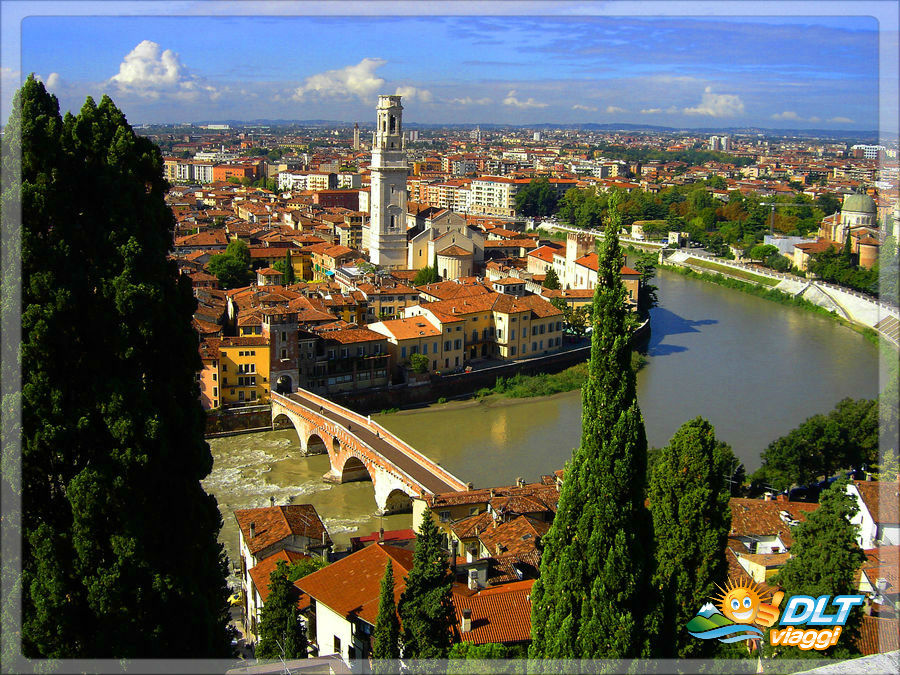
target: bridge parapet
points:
(375, 429)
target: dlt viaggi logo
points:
(743, 612)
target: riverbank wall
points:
(847, 304)
(221, 423)
(463, 385)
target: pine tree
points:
(689, 495)
(119, 551)
(592, 591)
(426, 606)
(386, 637)
(281, 635)
(824, 560)
(551, 281)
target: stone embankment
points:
(848, 304)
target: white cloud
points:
(530, 103)
(53, 81)
(787, 115)
(412, 93)
(842, 120)
(359, 80)
(651, 111)
(613, 109)
(814, 119)
(717, 105)
(589, 108)
(468, 100)
(149, 71)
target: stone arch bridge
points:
(359, 448)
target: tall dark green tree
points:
(289, 276)
(386, 637)
(119, 550)
(551, 281)
(426, 606)
(824, 561)
(591, 596)
(689, 493)
(281, 634)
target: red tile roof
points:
(881, 499)
(501, 614)
(757, 517)
(877, 635)
(352, 585)
(262, 571)
(275, 523)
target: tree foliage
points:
(426, 607)
(386, 637)
(590, 598)
(537, 199)
(418, 363)
(840, 267)
(426, 275)
(824, 560)
(119, 550)
(689, 493)
(551, 281)
(845, 438)
(281, 633)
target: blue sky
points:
(189, 62)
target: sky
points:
(500, 63)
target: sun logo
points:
(742, 603)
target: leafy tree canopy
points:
(281, 633)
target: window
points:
(215, 391)
(345, 352)
(457, 344)
(512, 351)
(215, 376)
(448, 346)
(524, 332)
(425, 348)
(435, 350)
(512, 334)
(253, 395)
(224, 367)
(284, 354)
(499, 333)
(402, 352)
(337, 645)
(534, 346)
(360, 351)
(283, 336)
(241, 395)
(542, 329)
(445, 516)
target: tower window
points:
(393, 126)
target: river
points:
(755, 369)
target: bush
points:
(442, 399)
(418, 363)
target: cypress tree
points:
(386, 637)
(119, 551)
(689, 495)
(289, 277)
(824, 560)
(426, 605)
(281, 635)
(592, 591)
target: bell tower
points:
(387, 217)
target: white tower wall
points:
(387, 222)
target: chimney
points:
(781, 497)
(768, 497)
(470, 485)
(492, 493)
(272, 500)
(381, 534)
(252, 530)
(473, 580)
(466, 624)
(520, 482)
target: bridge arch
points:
(315, 445)
(397, 501)
(354, 469)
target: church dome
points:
(859, 203)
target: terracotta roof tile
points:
(352, 585)
(501, 614)
(881, 499)
(275, 523)
(757, 517)
(877, 635)
(262, 571)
